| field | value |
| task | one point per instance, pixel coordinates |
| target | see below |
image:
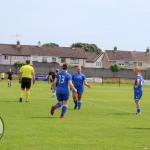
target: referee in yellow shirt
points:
(25, 76)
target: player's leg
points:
(64, 108)
(57, 105)
(28, 85)
(138, 108)
(79, 100)
(8, 82)
(137, 97)
(80, 92)
(59, 98)
(74, 96)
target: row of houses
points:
(37, 54)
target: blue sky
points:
(106, 23)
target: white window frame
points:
(98, 64)
(44, 59)
(63, 60)
(74, 61)
(6, 57)
(53, 59)
(35, 58)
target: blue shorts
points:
(137, 94)
(62, 94)
(80, 90)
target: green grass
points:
(107, 120)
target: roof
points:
(120, 55)
(92, 56)
(28, 50)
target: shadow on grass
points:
(139, 128)
(8, 101)
(42, 117)
(124, 113)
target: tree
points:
(51, 44)
(87, 47)
(114, 68)
(18, 64)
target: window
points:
(120, 63)
(74, 61)
(63, 60)
(44, 59)
(35, 58)
(53, 59)
(140, 64)
(15, 57)
(6, 57)
(98, 63)
(130, 64)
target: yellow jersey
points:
(27, 71)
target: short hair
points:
(27, 61)
(65, 66)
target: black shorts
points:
(9, 78)
(25, 83)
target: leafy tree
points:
(51, 44)
(114, 68)
(87, 47)
(18, 64)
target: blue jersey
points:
(78, 79)
(139, 88)
(63, 78)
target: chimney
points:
(147, 50)
(39, 44)
(18, 44)
(115, 48)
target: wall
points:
(89, 72)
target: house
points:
(127, 59)
(94, 59)
(10, 53)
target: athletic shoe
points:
(62, 116)
(52, 110)
(20, 100)
(75, 106)
(27, 100)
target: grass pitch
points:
(106, 121)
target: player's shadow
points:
(138, 128)
(123, 113)
(8, 101)
(42, 117)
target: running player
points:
(62, 79)
(79, 80)
(10, 74)
(26, 75)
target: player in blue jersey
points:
(138, 89)
(63, 79)
(79, 80)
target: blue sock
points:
(64, 109)
(58, 105)
(79, 104)
(75, 101)
(138, 109)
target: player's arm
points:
(20, 77)
(33, 77)
(137, 83)
(86, 83)
(72, 86)
(54, 84)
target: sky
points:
(106, 23)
